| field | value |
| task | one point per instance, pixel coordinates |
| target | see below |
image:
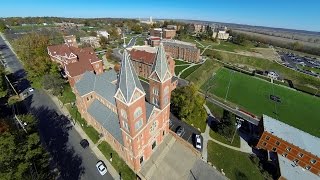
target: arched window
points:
(137, 113)
(153, 126)
(123, 113)
(166, 90)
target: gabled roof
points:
(128, 80)
(292, 135)
(101, 84)
(149, 109)
(142, 56)
(160, 66)
(107, 118)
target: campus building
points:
(70, 40)
(115, 105)
(164, 33)
(298, 151)
(143, 58)
(197, 28)
(182, 50)
(91, 40)
(75, 61)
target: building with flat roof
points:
(299, 147)
(70, 40)
(91, 40)
(290, 171)
(164, 33)
(182, 50)
(115, 105)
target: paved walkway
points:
(93, 147)
(244, 147)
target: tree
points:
(3, 26)
(22, 156)
(226, 126)
(104, 42)
(137, 29)
(188, 104)
(3, 83)
(53, 82)
(238, 39)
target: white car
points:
(30, 89)
(198, 142)
(102, 168)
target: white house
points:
(103, 33)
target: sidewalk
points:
(93, 147)
(244, 147)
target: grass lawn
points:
(180, 62)
(217, 111)
(190, 70)
(309, 68)
(67, 95)
(117, 162)
(299, 80)
(236, 165)
(178, 69)
(218, 137)
(89, 130)
(253, 94)
(229, 46)
(204, 72)
(139, 41)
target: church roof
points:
(128, 80)
(107, 118)
(101, 84)
(160, 66)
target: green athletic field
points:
(252, 94)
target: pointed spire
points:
(160, 66)
(128, 80)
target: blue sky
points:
(294, 14)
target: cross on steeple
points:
(124, 40)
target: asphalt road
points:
(56, 132)
(189, 131)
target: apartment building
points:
(182, 50)
(299, 148)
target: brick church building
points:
(115, 105)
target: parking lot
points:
(297, 62)
(189, 131)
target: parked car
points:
(180, 131)
(84, 143)
(170, 122)
(102, 168)
(198, 143)
(30, 89)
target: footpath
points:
(244, 147)
(93, 147)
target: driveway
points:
(56, 132)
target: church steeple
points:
(160, 70)
(128, 81)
